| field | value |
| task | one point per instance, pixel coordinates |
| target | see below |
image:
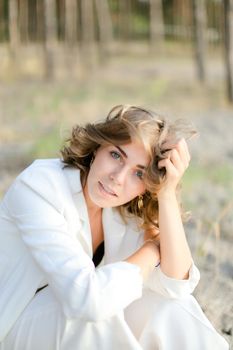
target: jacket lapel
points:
(80, 219)
(121, 239)
(114, 231)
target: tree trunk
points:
(13, 24)
(23, 20)
(2, 21)
(228, 38)
(40, 12)
(125, 19)
(87, 22)
(32, 21)
(71, 21)
(61, 14)
(50, 22)
(89, 54)
(50, 35)
(105, 23)
(199, 26)
(156, 23)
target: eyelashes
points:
(139, 174)
(117, 156)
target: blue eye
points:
(115, 155)
(139, 173)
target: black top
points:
(98, 255)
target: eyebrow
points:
(125, 156)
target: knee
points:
(182, 313)
(167, 310)
(178, 312)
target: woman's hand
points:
(176, 162)
(176, 257)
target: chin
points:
(105, 203)
(99, 202)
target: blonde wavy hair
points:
(122, 124)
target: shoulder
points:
(42, 166)
(45, 170)
(42, 171)
(45, 178)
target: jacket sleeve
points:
(82, 291)
(172, 287)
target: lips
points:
(107, 189)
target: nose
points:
(119, 176)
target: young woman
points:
(93, 253)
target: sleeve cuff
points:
(171, 287)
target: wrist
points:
(166, 194)
(146, 257)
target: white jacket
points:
(45, 238)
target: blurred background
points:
(64, 62)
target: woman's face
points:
(116, 174)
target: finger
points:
(183, 151)
(168, 165)
(184, 147)
(177, 161)
(167, 146)
(187, 150)
(181, 146)
(167, 154)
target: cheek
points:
(101, 162)
(100, 168)
(134, 188)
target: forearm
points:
(147, 257)
(175, 254)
